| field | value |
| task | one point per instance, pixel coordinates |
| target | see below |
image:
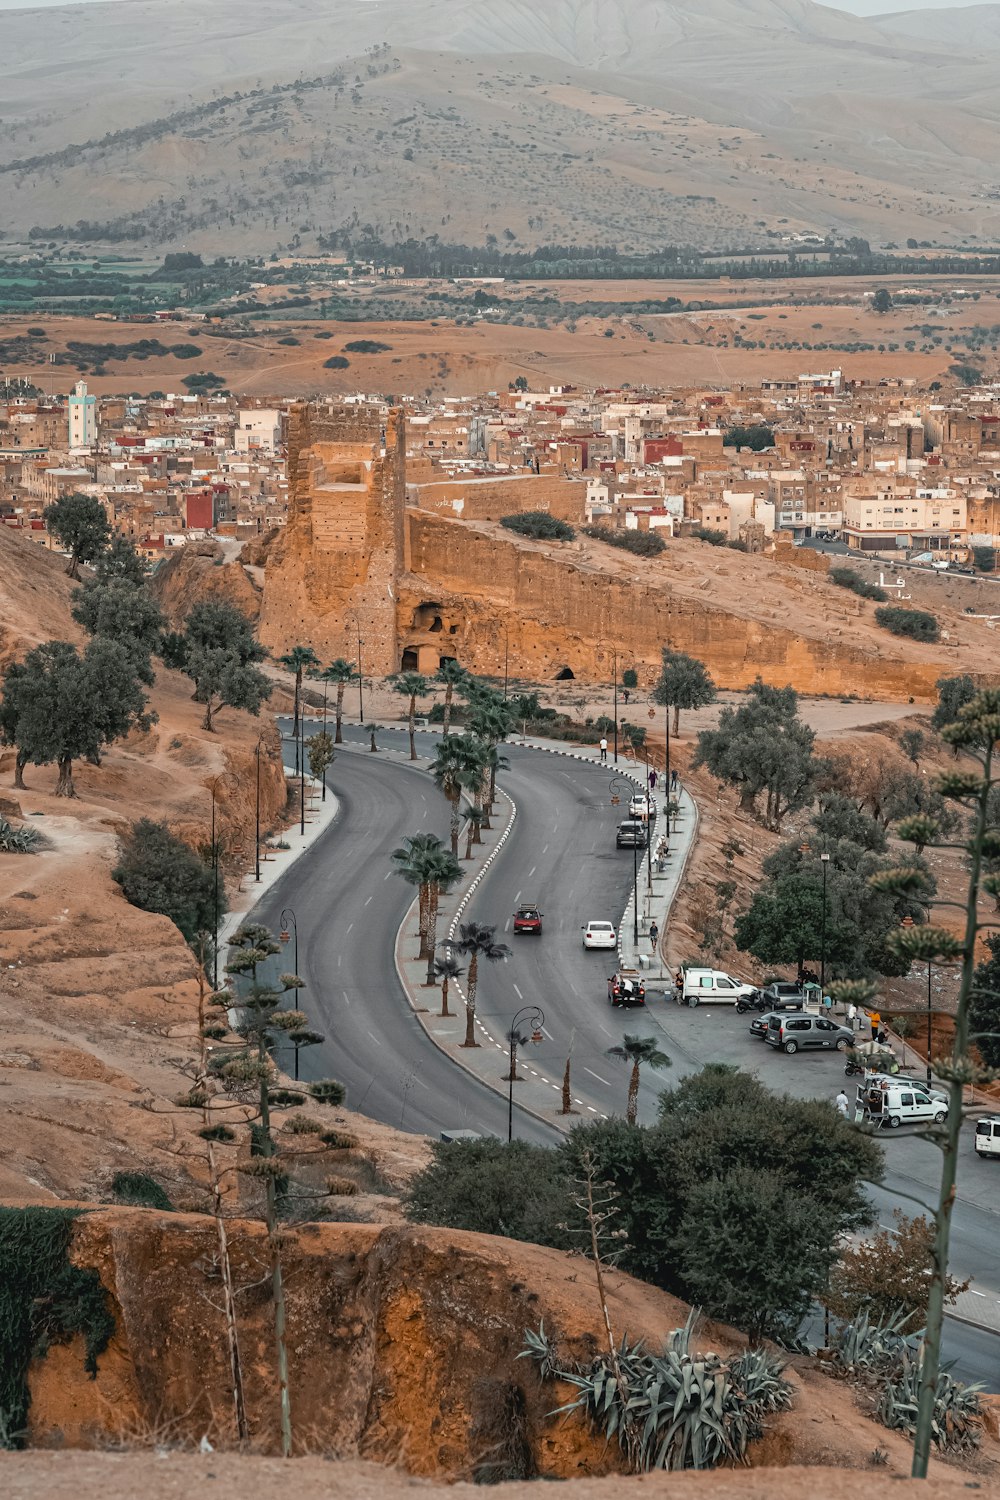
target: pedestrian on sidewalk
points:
(679, 986)
(604, 750)
(673, 780)
(852, 1011)
(652, 781)
(842, 1105)
(654, 935)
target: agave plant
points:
(673, 1410)
(956, 1424)
(17, 840)
(867, 1351)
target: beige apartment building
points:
(929, 520)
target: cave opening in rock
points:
(565, 674)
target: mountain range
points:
(251, 126)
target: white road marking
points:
(346, 934)
(598, 1077)
(532, 871)
(388, 874)
(517, 992)
(373, 1037)
(370, 900)
(546, 849)
(347, 998)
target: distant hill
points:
(250, 126)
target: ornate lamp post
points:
(257, 750)
(824, 860)
(288, 921)
(356, 622)
(536, 1020)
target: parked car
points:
(793, 1033)
(600, 935)
(919, 1086)
(702, 986)
(759, 1024)
(627, 987)
(781, 995)
(631, 835)
(642, 806)
(528, 919)
(988, 1135)
(894, 1105)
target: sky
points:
(857, 7)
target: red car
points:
(527, 919)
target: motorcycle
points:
(851, 1068)
(748, 1002)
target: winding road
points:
(349, 904)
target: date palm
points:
(451, 676)
(447, 969)
(476, 940)
(412, 685)
(452, 769)
(341, 672)
(299, 660)
(638, 1050)
(416, 861)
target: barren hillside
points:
(672, 121)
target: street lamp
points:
(288, 920)
(614, 671)
(536, 1020)
(824, 860)
(617, 781)
(225, 778)
(506, 657)
(908, 922)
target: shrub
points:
(366, 346)
(17, 840)
(846, 578)
(915, 623)
(488, 1186)
(985, 559)
(539, 524)
(139, 1190)
(342, 1187)
(706, 534)
(291, 339)
(339, 1140)
(640, 543)
(756, 437)
(336, 362)
(159, 872)
(204, 381)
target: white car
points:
(641, 806)
(600, 935)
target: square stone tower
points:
(334, 572)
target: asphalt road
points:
(561, 854)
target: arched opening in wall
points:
(564, 674)
(436, 625)
(409, 661)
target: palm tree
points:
(476, 940)
(638, 1050)
(341, 672)
(450, 770)
(444, 872)
(446, 969)
(451, 675)
(415, 860)
(492, 720)
(412, 685)
(473, 822)
(298, 660)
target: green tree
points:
(953, 694)
(319, 749)
(984, 1005)
(911, 742)
(763, 747)
(80, 524)
(475, 941)
(630, 679)
(341, 672)
(683, 683)
(121, 563)
(423, 861)
(70, 705)
(411, 685)
(966, 374)
(9, 713)
(452, 769)
(985, 559)
(918, 624)
(299, 659)
(121, 612)
(638, 1051)
(882, 300)
(887, 1274)
(220, 656)
(756, 437)
(451, 675)
(159, 872)
(539, 524)
(447, 969)
(491, 1187)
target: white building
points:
(82, 417)
(258, 431)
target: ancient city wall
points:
(556, 613)
(488, 500)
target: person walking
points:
(852, 1011)
(652, 781)
(604, 749)
(842, 1105)
(876, 1020)
(654, 935)
(673, 780)
(679, 986)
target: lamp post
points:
(225, 778)
(908, 922)
(824, 860)
(288, 920)
(649, 824)
(614, 670)
(536, 1020)
(506, 658)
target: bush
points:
(985, 559)
(139, 1191)
(206, 381)
(706, 534)
(756, 437)
(17, 840)
(366, 346)
(539, 524)
(915, 623)
(336, 362)
(159, 872)
(846, 578)
(640, 543)
(488, 1186)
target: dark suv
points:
(631, 835)
(795, 1032)
(781, 995)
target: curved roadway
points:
(561, 853)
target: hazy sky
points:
(859, 7)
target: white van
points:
(988, 1136)
(706, 986)
(895, 1104)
